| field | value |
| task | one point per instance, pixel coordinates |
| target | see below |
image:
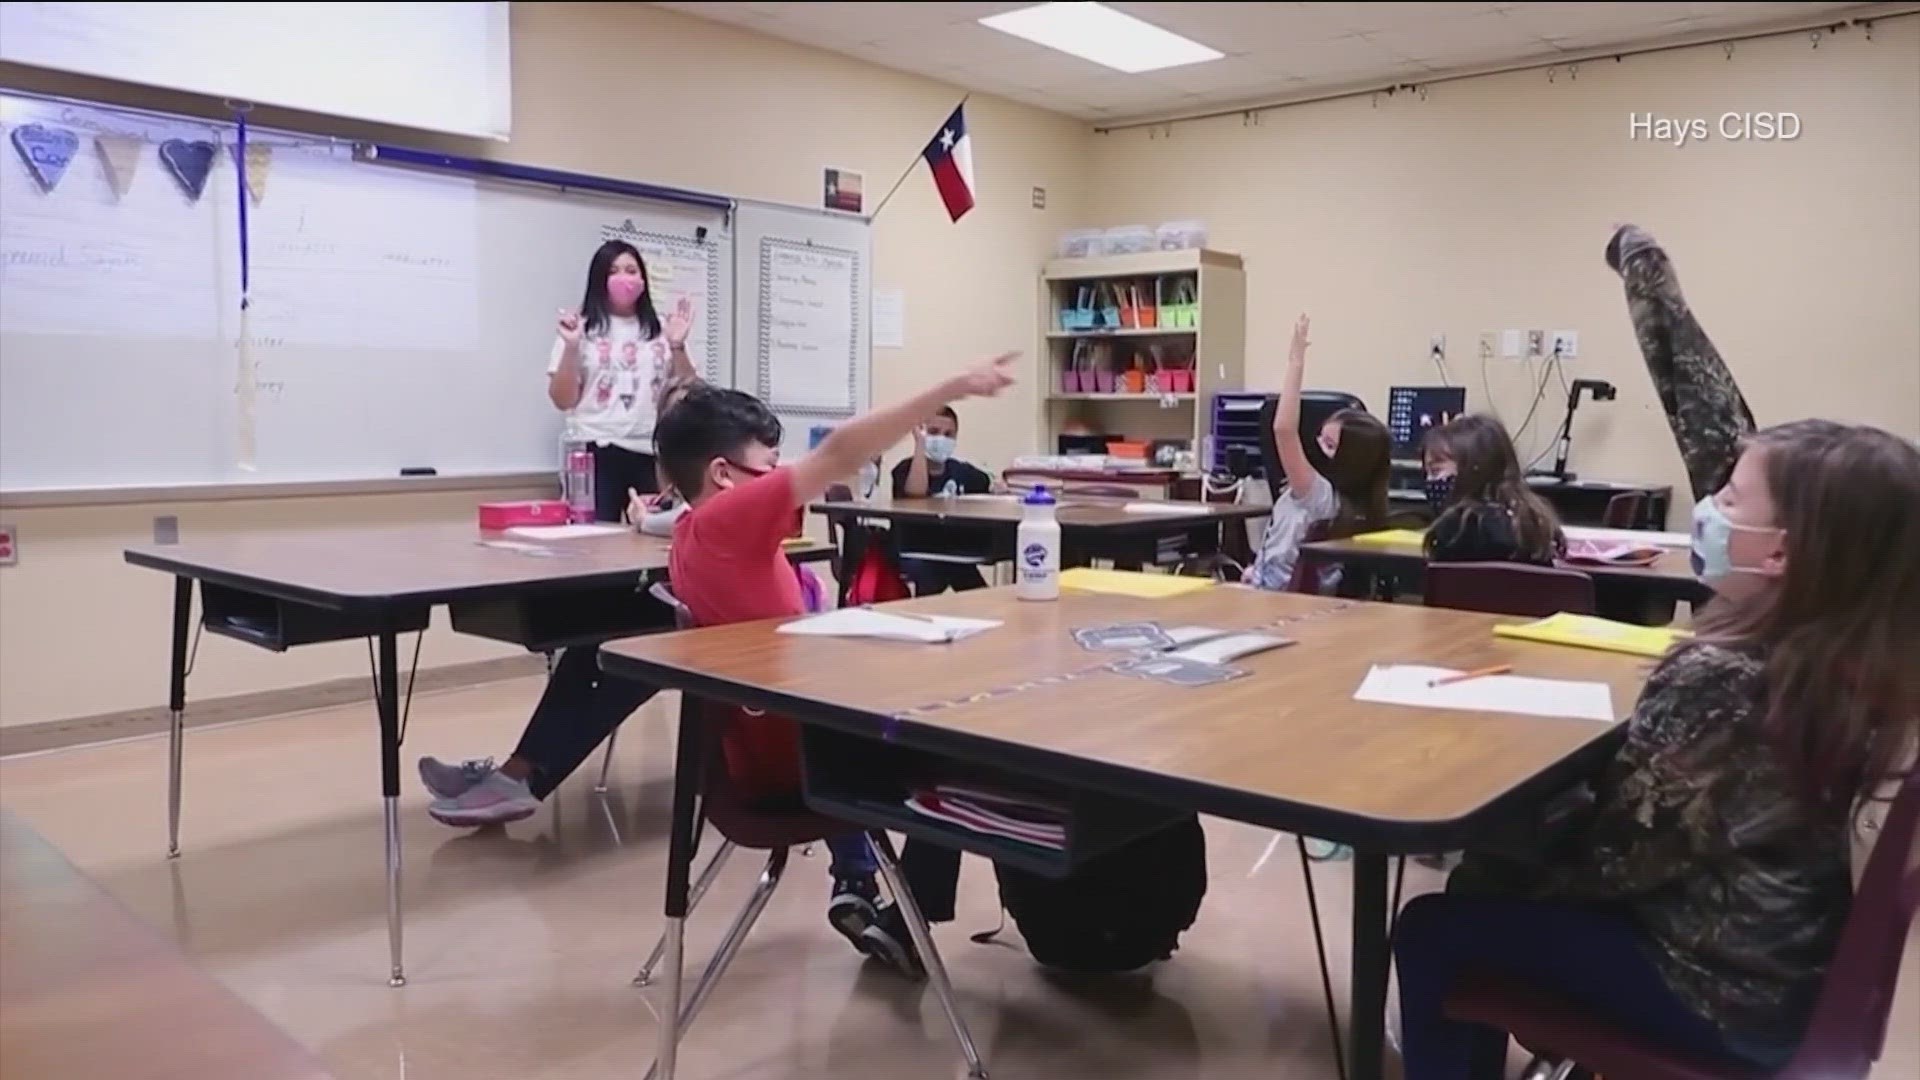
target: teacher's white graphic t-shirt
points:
(621, 371)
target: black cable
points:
(1539, 395)
(193, 651)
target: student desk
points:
(1669, 578)
(277, 590)
(91, 992)
(1285, 748)
(1090, 528)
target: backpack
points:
(1116, 912)
(873, 575)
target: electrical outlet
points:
(1510, 344)
(1566, 344)
(1486, 344)
(1437, 347)
(166, 529)
(1536, 343)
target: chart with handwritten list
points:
(809, 332)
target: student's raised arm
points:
(915, 486)
(678, 325)
(1286, 418)
(1704, 408)
(859, 440)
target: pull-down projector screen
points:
(429, 66)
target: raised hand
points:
(680, 322)
(1297, 352)
(569, 326)
(988, 379)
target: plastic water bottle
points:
(579, 484)
(1037, 547)
(869, 480)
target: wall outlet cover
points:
(1486, 344)
(1536, 343)
(1566, 344)
(1510, 344)
(1437, 346)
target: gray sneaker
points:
(452, 781)
(495, 800)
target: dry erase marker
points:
(419, 470)
(1497, 669)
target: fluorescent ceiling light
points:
(1104, 35)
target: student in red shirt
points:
(721, 449)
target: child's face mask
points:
(939, 447)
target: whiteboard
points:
(400, 318)
(433, 66)
(804, 278)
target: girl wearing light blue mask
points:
(1700, 904)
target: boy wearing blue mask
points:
(935, 560)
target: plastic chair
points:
(1849, 1026)
(1504, 588)
(1627, 510)
(777, 830)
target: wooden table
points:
(1090, 528)
(1285, 748)
(282, 589)
(92, 992)
(1669, 578)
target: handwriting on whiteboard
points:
(808, 333)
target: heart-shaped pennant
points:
(122, 157)
(47, 151)
(259, 160)
(190, 162)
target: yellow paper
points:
(1588, 632)
(1392, 538)
(1128, 583)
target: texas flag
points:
(950, 156)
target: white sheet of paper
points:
(566, 532)
(1410, 684)
(1629, 536)
(889, 319)
(1170, 508)
(1183, 634)
(1231, 647)
(891, 626)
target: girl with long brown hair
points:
(1484, 511)
(1701, 903)
(1351, 492)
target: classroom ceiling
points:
(1274, 51)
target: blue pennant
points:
(190, 163)
(47, 152)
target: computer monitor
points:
(1412, 410)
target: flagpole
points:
(909, 170)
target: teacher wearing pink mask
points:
(610, 362)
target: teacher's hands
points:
(569, 326)
(680, 323)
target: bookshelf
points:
(1175, 319)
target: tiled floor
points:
(520, 946)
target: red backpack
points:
(872, 568)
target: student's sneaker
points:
(888, 941)
(495, 800)
(1327, 851)
(853, 907)
(452, 781)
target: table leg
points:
(387, 692)
(680, 845)
(177, 706)
(1367, 1005)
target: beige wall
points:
(1487, 206)
(624, 90)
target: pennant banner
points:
(121, 155)
(258, 159)
(47, 151)
(190, 163)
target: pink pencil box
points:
(505, 515)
